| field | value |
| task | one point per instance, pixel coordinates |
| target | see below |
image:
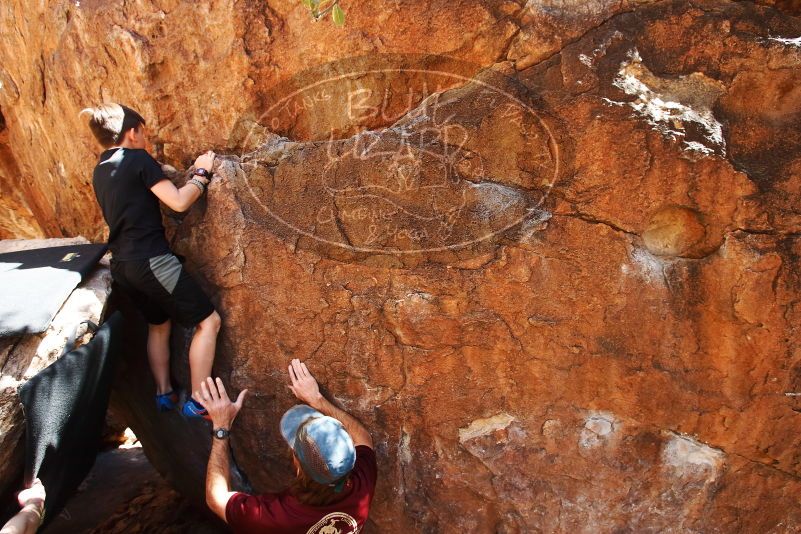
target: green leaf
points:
(338, 15)
(307, 3)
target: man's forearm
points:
(218, 476)
(356, 430)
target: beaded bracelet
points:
(199, 184)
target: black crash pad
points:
(35, 283)
(65, 407)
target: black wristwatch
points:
(204, 173)
(221, 433)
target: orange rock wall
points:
(570, 308)
(195, 70)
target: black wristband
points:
(204, 173)
(221, 433)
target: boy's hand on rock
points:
(205, 161)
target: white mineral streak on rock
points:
(668, 104)
(485, 426)
(537, 223)
(494, 198)
(646, 266)
(787, 40)
(612, 102)
(599, 51)
(598, 428)
(405, 458)
(404, 452)
(699, 147)
(420, 301)
(688, 456)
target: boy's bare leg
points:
(201, 350)
(158, 354)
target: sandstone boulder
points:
(563, 294)
(566, 303)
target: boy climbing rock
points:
(128, 184)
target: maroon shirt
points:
(281, 513)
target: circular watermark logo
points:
(399, 154)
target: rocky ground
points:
(124, 494)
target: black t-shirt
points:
(122, 180)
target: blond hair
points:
(110, 121)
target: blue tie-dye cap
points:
(323, 446)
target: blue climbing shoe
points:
(167, 401)
(193, 409)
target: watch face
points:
(221, 433)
